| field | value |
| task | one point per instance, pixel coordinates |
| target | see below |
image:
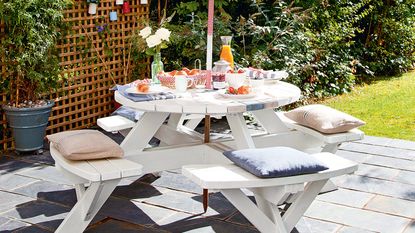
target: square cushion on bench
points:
(85, 144)
(275, 161)
(324, 119)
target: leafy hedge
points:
(324, 44)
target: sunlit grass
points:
(387, 106)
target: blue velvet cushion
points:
(275, 161)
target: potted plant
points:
(28, 48)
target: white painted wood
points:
(219, 176)
(143, 131)
(80, 168)
(87, 206)
(272, 212)
(174, 136)
(301, 204)
(80, 190)
(193, 123)
(115, 123)
(240, 132)
(250, 210)
(275, 95)
(275, 194)
(175, 120)
(269, 121)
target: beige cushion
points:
(85, 144)
(324, 119)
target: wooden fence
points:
(94, 56)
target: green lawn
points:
(387, 106)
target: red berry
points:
(231, 90)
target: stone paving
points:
(379, 197)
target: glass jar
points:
(218, 74)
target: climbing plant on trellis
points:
(95, 55)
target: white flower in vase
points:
(153, 41)
(163, 33)
(145, 32)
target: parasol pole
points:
(211, 8)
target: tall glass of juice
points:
(226, 52)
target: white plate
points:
(232, 96)
(153, 90)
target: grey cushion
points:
(324, 119)
(129, 113)
(275, 161)
(85, 144)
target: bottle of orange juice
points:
(226, 52)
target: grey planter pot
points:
(28, 126)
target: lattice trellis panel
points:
(94, 56)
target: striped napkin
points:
(122, 89)
(265, 74)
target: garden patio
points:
(379, 197)
(115, 117)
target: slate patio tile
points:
(138, 191)
(207, 225)
(10, 200)
(190, 203)
(346, 197)
(8, 225)
(32, 229)
(354, 156)
(48, 173)
(377, 172)
(379, 141)
(359, 218)
(11, 181)
(309, 225)
(410, 228)
(163, 216)
(112, 226)
(44, 158)
(376, 186)
(380, 150)
(177, 182)
(347, 229)
(11, 165)
(402, 164)
(39, 212)
(392, 206)
(124, 210)
(50, 191)
(305, 225)
(405, 177)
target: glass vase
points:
(156, 67)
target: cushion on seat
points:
(275, 161)
(85, 144)
(324, 119)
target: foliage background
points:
(325, 45)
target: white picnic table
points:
(182, 145)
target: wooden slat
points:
(85, 96)
(231, 176)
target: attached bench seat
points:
(101, 176)
(332, 141)
(298, 190)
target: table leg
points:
(240, 131)
(141, 134)
(270, 121)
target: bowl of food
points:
(235, 79)
(198, 76)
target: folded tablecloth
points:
(122, 89)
